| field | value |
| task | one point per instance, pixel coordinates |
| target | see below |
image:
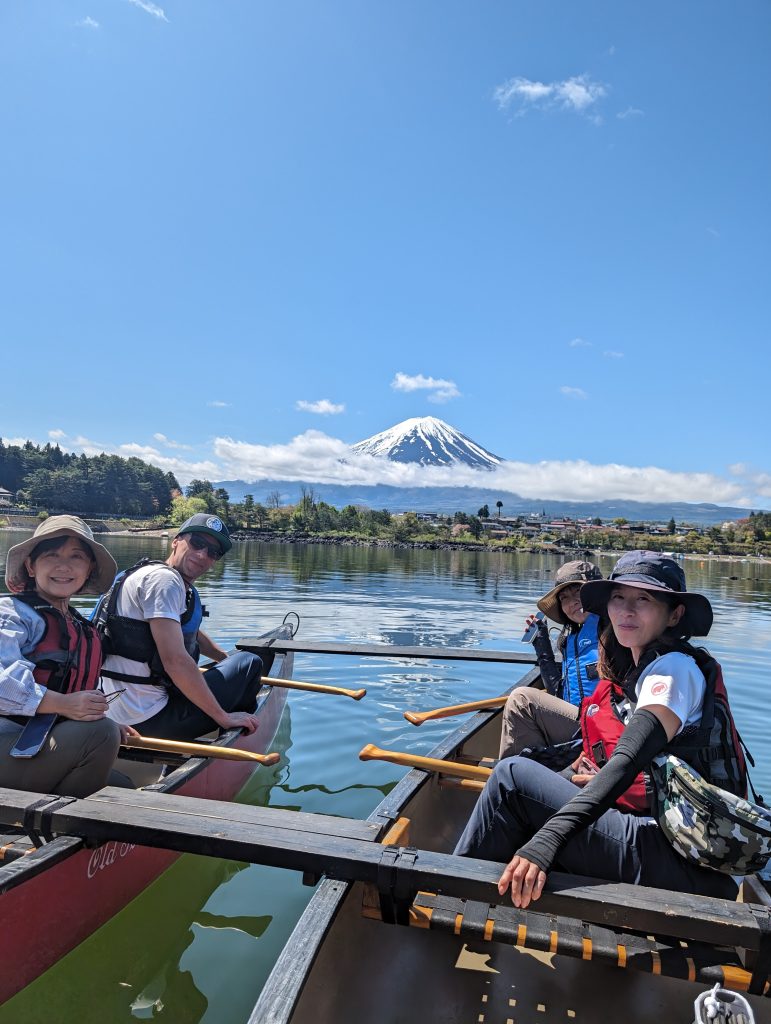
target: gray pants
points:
(75, 760)
(533, 718)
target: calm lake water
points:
(198, 944)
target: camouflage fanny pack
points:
(709, 825)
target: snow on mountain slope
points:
(429, 442)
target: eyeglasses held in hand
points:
(115, 693)
(199, 543)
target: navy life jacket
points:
(133, 639)
(712, 746)
(68, 656)
(579, 661)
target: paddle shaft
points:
(199, 750)
(419, 717)
(296, 684)
(428, 764)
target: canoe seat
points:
(483, 925)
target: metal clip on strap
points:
(395, 884)
(761, 965)
(37, 817)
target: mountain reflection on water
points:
(198, 945)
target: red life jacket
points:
(713, 746)
(68, 656)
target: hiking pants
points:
(521, 795)
(234, 682)
(533, 718)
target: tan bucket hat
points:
(567, 574)
(16, 575)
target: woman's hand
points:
(82, 706)
(126, 731)
(525, 879)
(581, 779)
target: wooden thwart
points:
(344, 849)
(389, 651)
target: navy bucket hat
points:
(205, 522)
(650, 570)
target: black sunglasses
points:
(195, 540)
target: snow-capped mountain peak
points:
(427, 441)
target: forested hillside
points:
(57, 481)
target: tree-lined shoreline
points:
(128, 494)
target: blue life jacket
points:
(133, 639)
(579, 662)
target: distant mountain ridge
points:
(429, 441)
(447, 500)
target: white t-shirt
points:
(676, 682)
(152, 592)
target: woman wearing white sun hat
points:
(50, 660)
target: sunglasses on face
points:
(199, 543)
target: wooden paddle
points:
(428, 764)
(296, 684)
(198, 750)
(419, 717)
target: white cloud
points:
(576, 94)
(87, 22)
(611, 354)
(317, 457)
(622, 115)
(168, 443)
(150, 8)
(441, 390)
(573, 392)
(322, 408)
(580, 343)
(55, 435)
(215, 404)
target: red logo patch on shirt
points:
(659, 688)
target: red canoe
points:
(48, 914)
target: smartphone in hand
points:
(586, 767)
(529, 635)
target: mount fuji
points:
(427, 441)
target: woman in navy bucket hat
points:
(663, 694)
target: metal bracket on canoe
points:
(761, 961)
(395, 883)
(37, 817)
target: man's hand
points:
(525, 879)
(238, 720)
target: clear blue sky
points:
(550, 218)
